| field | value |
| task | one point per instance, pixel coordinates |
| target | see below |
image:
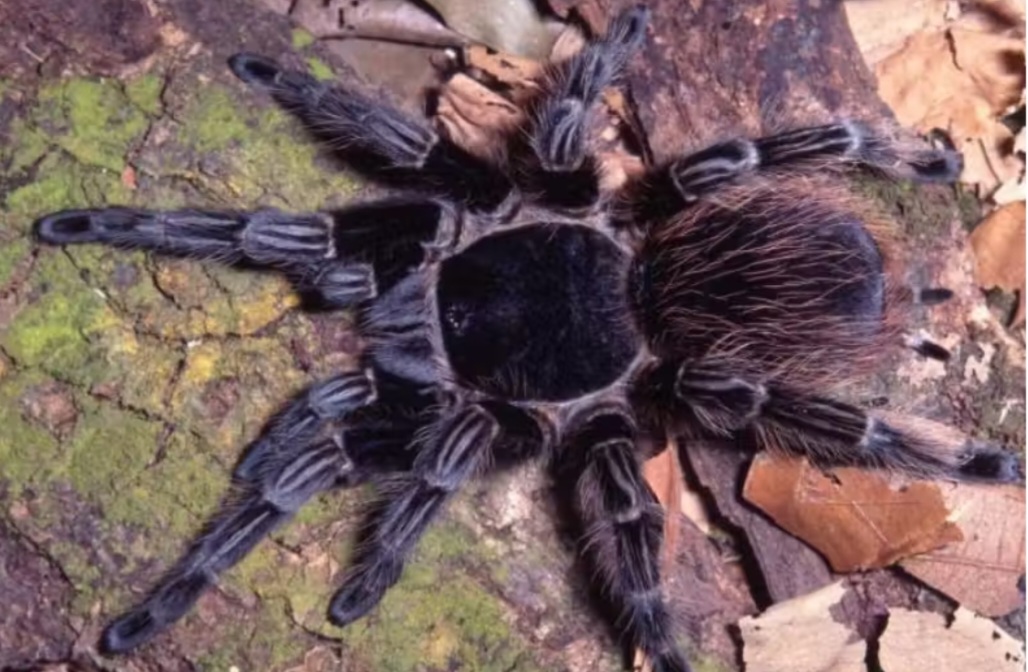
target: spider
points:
(514, 310)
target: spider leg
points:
(560, 121)
(376, 136)
(716, 402)
(342, 255)
(623, 525)
(685, 180)
(458, 446)
(297, 456)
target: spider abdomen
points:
(786, 283)
(538, 312)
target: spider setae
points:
(514, 310)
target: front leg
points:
(624, 527)
(568, 176)
(377, 137)
(345, 255)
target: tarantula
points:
(513, 309)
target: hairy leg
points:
(457, 448)
(714, 401)
(683, 181)
(343, 254)
(560, 122)
(376, 136)
(623, 525)
(297, 456)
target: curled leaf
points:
(999, 250)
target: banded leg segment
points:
(458, 448)
(345, 255)
(714, 401)
(560, 122)
(623, 525)
(683, 181)
(297, 457)
(265, 237)
(376, 136)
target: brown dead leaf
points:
(857, 519)
(999, 250)
(800, 635)
(514, 71)
(474, 117)
(982, 571)
(962, 80)
(664, 476)
(880, 30)
(917, 641)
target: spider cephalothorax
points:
(513, 309)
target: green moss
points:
(301, 38)
(434, 616)
(145, 93)
(53, 332)
(320, 69)
(25, 145)
(62, 183)
(92, 120)
(109, 449)
(262, 155)
(11, 254)
(214, 121)
(28, 453)
(171, 498)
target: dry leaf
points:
(506, 68)
(916, 641)
(857, 519)
(981, 572)
(664, 476)
(880, 30)
(999, 250)
(475, 117)
(799, 635)
(961, 80)
(694, 507)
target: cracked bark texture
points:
(129, 383)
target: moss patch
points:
(320, 69)
(301, 39)
(93, 120)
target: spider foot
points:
(362, 591)
(255, 69)
(991, 464)
(82, 226)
